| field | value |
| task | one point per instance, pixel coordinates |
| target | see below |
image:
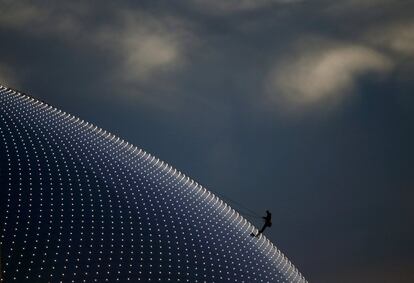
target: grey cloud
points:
(231, 6)
(143, 45)
(398, 37)
(147, 45)
(19, 14)
(349, 6)
(41, 18)
(320, 75)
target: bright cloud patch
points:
(314, 77)
(397, 37)
(147, 53)
(147, 46)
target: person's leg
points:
(261, 230)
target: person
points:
(268, 223)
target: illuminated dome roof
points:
(79, 204)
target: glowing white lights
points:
(79, 204)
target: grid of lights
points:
(79, 204)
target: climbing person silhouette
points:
(268, 223)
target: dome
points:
(79, 204)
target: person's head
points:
(267, 211)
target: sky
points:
(304, 108)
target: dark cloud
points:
(234, 6)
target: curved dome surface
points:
(79, 204)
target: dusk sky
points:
(304, 108)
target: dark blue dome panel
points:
(79, 204)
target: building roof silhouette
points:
(79, 204)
